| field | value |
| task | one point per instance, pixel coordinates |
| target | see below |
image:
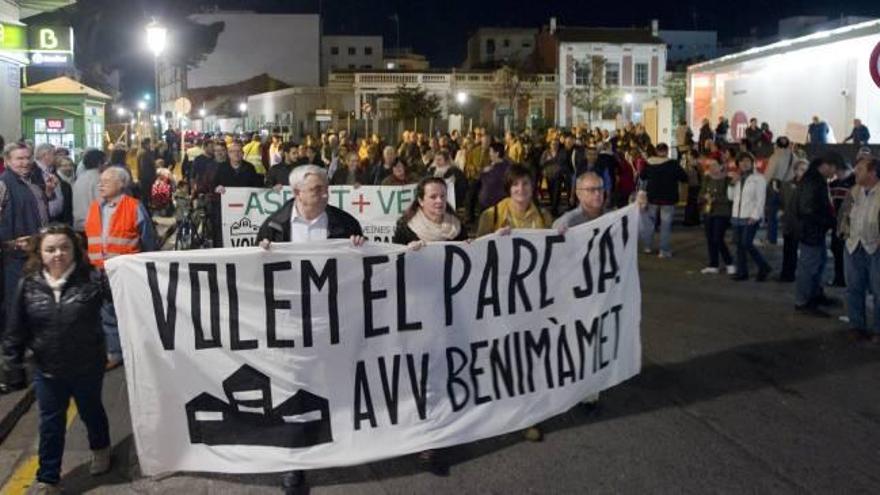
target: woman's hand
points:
(358, 240)
(503, 231)
(266, 244)
(416, 245)
(277, 188)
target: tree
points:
(415, 103)
(590, 93)
(515, 84)
(675, 88)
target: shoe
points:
(739, 278)
(647, 251)
(810, 310)
(784, 279)
(291, 481)
(731, 270)
(433, 463)
(100, 461)
(709, 270)
(664, 255)
(762, 274)
(48, 488)
(533, 434)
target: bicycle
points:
(192, 226)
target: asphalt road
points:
(737, 394)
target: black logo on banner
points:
(248, 418)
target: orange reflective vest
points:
(122, 236)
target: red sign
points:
(55, 124)
(875, 65)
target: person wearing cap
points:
(815, 216)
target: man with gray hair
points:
(380, 170)
(117, 224)
(58, 192)
(307, 218)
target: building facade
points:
(350, 53)
(242, 53)
(492, 47)
(684, 46)
(832, 74)
(633, 62)
(11, 63)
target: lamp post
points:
(242, 107)
(157, 39)
(628, 99)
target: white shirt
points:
(302, 230)
(864, 220)
(748, 197)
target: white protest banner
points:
(324, 354)
(377, 208)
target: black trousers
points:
(789, 257)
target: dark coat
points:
(19, 216)
(279, 174)
(814, 212)
(459, 181)
(662, 178)
(340, 225)
(245, 176)
(66, 337)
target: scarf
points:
(56, 284)
(506, 216)
(428, 231)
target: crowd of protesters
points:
(60, 222)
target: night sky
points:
(439, 29)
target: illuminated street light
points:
(142, 105)
(120, 111)
(202, 112)
(242, 107)
(157, 38)
(628, 98)
(461, 97)
(147, 96)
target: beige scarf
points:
(429, 231)
(57, 284)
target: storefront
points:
(13, 56)
(64, 113)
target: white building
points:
(295, 108)
(350, 53)
(492, 46)
(830, 74)
(284, 46)
(635, 64)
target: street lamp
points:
(142, 105)
(628, 99)
(202, 112)
(461, 97)
(157, 39)
(242, 107)
(120, 111)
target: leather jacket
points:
(66, 337)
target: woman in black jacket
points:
(429, 219)
(56, 314)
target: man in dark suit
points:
(58, 192)
(307, 218)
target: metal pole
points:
(158, 104)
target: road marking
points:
(26, 473)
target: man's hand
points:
(416, 245)
(562, 229)
(358, 240)
(220, 190)
(277, 188)
(503, 231)
(266, 244)
(22, 243)
(751, 221)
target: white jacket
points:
(748, 197)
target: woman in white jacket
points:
(748, 191)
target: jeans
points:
(862, 275)
(716, 228)
(667, 213)
(111, 330)
(53, 395)
(837, 249)
(789, 257)
(744, 237)
(772, 217)
(810, 266)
